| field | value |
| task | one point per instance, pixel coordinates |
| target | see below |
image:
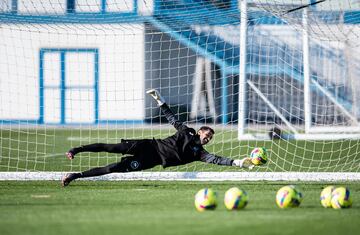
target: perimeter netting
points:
(276, 74)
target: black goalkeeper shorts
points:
(143, 156)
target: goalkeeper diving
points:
(185, 146)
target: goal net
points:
(279, 74)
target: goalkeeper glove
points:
(156, 96)
(243, 163)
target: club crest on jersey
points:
(134, 165)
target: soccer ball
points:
(205, 199)
(258, 156)
(341, 198)
(288, 196)
(325, 196)
(235, 199)
(299, 195)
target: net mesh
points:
(75, 72)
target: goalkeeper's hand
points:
(156, 96)
(243, 163)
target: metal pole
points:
(242, 68)
(224, 104)
(306, 64)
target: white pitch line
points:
(40, 196)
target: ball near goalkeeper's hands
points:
(244, 163)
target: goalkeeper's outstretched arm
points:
(218, 160)
(166, 110)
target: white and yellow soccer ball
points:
(326, 196)
(235, 199)
(258, 156)
(205, 199)
(341, 198)
(288, 196)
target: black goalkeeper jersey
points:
(184, 146)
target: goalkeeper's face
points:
(205, 136)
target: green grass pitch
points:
(98, 207)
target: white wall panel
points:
(121, 67)
(79, 69)
(88, 5)
(120, 6)
(42, 6)
(52, 104)
(145, 7)
(51, 69)
(79, 106)
(5, 5)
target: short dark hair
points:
(207, 128)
